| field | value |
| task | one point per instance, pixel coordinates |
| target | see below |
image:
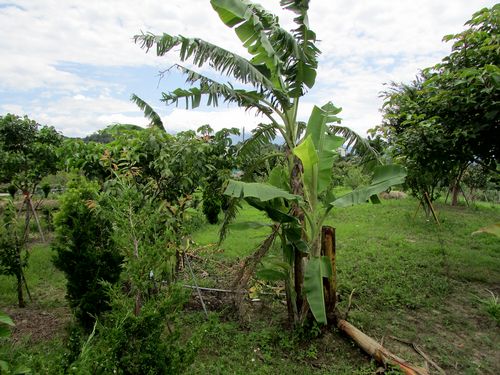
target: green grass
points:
(46, 284)
(437, 286)
(239, 243)
(411, 278)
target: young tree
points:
(28, 153)
(85, 250)
(12, 244)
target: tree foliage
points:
(85, 250)
(448, 117)
(27, 151)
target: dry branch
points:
(421, 352)
(248, 269)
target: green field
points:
(432, 285)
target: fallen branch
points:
(377, 351)
(228, 291)
(421, 352)
(249, 267)
(349, 304)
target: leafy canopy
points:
(27, 151)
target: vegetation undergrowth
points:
(425, 283)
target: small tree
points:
(281, 69)
(85, 250)
(28, 153)
(12, 244)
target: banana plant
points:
(316, 152)
(281, 68)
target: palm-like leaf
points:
(255, 27)
(149, 112)
(262, 135)
(357, 143)
(301, 71)
(202, 52)
(290, 57)
(214, 91)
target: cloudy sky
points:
(73, 64)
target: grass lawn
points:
(410, 279)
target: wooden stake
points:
(36, 219)
(431, 207)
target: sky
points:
(73, 64)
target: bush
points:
(147, 343)
(46, 190)
(12, 189)
(86, 252)
(212, 203)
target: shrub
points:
(147, 343)
(12, 189)
(46, 190)
(85, 250)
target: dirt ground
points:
(35, 324)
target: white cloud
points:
(81, 115)
(365, 43)
(180, 119)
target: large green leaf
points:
(384, 177)
(319, 118)
(279, 177)
(307, 154)
(254, 27)
(318, 149)
(317, 163)
(316, 269)
(273, 208)
(5, 319)
(261, 191)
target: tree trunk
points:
(299, 263)
(20, 298)
(377, 351)
(330, 284)
(454, 194)
(456, 187)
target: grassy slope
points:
(411, 279)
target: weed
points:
(491, 306)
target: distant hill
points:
(109, 133)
